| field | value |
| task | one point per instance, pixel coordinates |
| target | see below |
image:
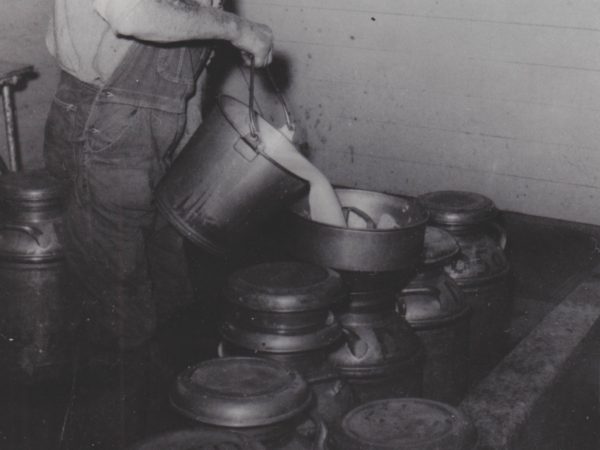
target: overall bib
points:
(114, 143)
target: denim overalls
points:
(114, 143)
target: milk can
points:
(481, 270)
(34, 323)
(256, 397)
(382, 354)
(282, 311)
(199, 440)
(404, 423)
(436, 309)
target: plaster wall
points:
(413, 95)
(418, 95)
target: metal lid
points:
(284, 287)
(199, 440)
(240, 392)
(404, 423)
(439, 246)
(32, 186)
(458, 207)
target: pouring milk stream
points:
(322, 199)
(324, 204)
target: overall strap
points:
(157, 76)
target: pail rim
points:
(242, 135)
(413, 202)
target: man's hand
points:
(255, 40)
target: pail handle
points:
(252, 114)
(371, 225)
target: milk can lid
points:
(240, 392)
(35, 185)
(406, 423)
(285, 287)
(458, 207)
(198, 440)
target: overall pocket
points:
(109, 124)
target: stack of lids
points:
(283, 307)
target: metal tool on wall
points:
(10, 75)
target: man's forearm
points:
(173, 20)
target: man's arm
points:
(184, 20)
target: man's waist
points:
(89, 93)
(72, 80)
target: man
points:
(126, 101)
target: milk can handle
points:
(321, 435)
(502, 237)
(252, 114)
(421, 290)
(32, 232)
(220, 350)
(357, 347)
(424, 290)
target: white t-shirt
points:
(82, 40)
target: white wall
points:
(22, 31)
(500, 97)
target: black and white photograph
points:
(300, 225)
